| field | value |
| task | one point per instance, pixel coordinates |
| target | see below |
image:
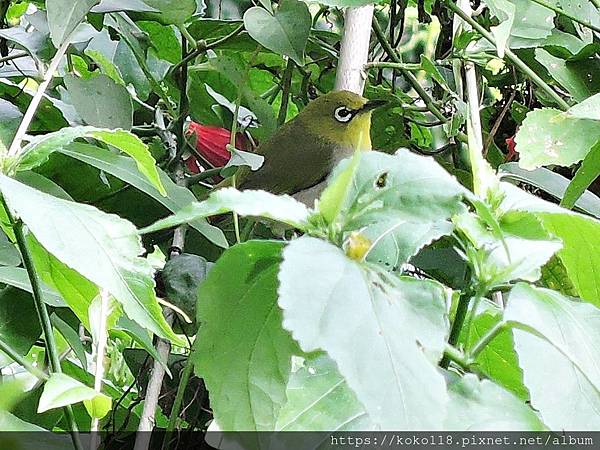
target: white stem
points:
(354, 50)
(146, 425)
(15, 146)
(99, 351)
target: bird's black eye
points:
(343, 114)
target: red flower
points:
(211, 145)
(512, 154)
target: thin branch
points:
(16, 357)
(13, 56)
(183, 383)
(15, 146)
(286, 84)
(510, 55)
(393, 65)
(197, 178)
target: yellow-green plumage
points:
(302, 153)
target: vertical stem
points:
(163, 347)
(459, 320)
(99, 351)
(286, 83)
(354, 50)
(43, 316)
(176, 409)
(234, 127)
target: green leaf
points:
(285, 31)
(17, 277)
(124, 168)
(559, 348)
(552, 183)
(72, 337)
(570, 75)
(347, 3)
(282, 208)
(61, 390)
(385, 204)
(498, 359)
(76, 290)
(547, 136)
(122, 5)
(40, 148)
(100, 101)
(102, 247)
(10, 118)
(64, 16)
(172, 12)
(333, 197)
(237, 306)
(319, 399)
(19, 327)
(504, 10)
(480, 405)
(587, 109)
(584, 177)
(9, 255)
(396, 327)
(581, 251)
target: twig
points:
(15, 146)
(99, 351)
(16, 357)
(13, 56)
(393, 65)
(197, 178)
(498, 122)
(286, 84)
(183, 383)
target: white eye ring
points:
(343, 114)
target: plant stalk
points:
(486, 339)
(285, 96)
(562, 12)
(16, 357)
(459, 320)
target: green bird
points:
(302, 153)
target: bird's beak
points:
(373, 104)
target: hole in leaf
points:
(381, 181)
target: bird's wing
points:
(294, 161)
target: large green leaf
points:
(581, 251)
(547, 136)
(10, 118)
(587, 109)
(175, 12)
(244, 355)
(558, 354)
(480, 405)
(282, 208)
(319, 399)
(40, 148)
(396, 328)
(100, 101)
(101, 247)
(61, 390)
(285, 31)
(124, 168)
(19, 327)
(385, 199)
(17, 277)
(580, 79)
(64, 16)
(552, 183)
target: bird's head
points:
(341, 117)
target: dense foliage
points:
(449, 280)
